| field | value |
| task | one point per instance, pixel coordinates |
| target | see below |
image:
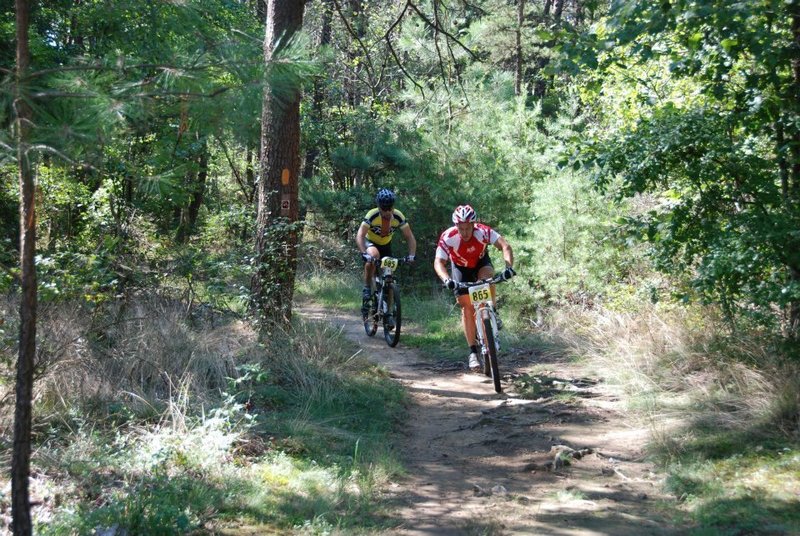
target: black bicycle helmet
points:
(385, 198)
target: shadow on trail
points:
(479, 454)
(479, 462)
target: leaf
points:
(728, 44)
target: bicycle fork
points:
(480, 315)
(383, 291)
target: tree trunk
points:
(21, 457)
(198, 195)
(791, 191)
(312, 153)
(559, 10)
(354, 96)
(188, 219)
(518, 46)
(276, 230)
(543, 82)
(250, 174)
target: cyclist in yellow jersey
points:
(374, 237)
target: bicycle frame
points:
(385, 300)
(384, 272)
(480, 297)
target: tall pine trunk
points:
(313, 152)
(791, 180)
(197, 189)
(276, 230)
(518, 59)
(21, 457)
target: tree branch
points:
(436, 45)
(236, 174)
(403, 69)
(440, 29)
(355, 36)
(396, 22)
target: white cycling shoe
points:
(474, 364)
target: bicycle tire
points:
(392, 336)
(371, 320)
(487, 364)
(491, 350)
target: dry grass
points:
(198, 413)
(147, 354)
(676, 364)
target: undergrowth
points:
(431, 316)
(724, 409)
(153, 425)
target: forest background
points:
(642, 158)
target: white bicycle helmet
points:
(464, 214)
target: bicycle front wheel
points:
(392, 321)
(371, 318)
(491, 349)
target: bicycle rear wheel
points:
(491, 350)
(392, 333)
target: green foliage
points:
(694, 116)
(130, 93)
(161, 505)
(64, 202)
(75, 276)
(216, 280)
(9, 215)
(335, 212)
(574, 233)
(301, 442)
(750, 489)
(720, 216)
(233, 224)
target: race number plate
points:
(389, 262)
(480, 294)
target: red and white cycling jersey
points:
(465, 254)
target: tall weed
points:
(155, 425)
(724, 409)
(682, 354)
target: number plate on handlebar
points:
(389, 262)
(480, 294)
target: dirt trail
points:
(485, 463)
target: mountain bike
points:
(384, 306)
(480, 297)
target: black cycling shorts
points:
(385, 250)
(462, 274)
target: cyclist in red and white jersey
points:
(466, 246)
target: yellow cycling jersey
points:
(380, 231)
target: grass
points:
(752, 491)
(724, 410)
(733, 477)
(181, 429)
(431, 318)
(164, 426)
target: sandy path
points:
(484, 463)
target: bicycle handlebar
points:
(400, 260)
(498, 278)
